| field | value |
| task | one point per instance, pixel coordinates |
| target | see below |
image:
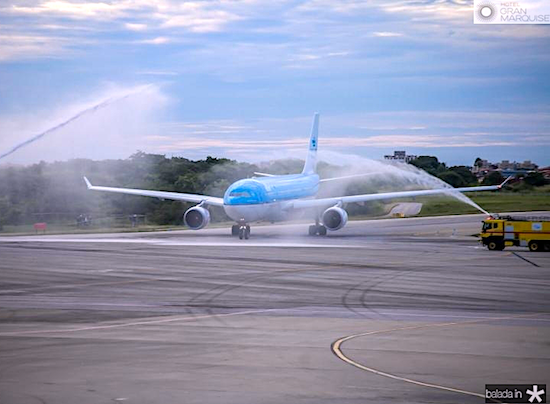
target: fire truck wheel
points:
(546, 246)
(534, 245)
(495, 245)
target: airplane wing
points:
(176, 196)
(327, 202)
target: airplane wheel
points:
(247, 232)
(235, 230)
(317, 230)
(241, 233)
(248, 229)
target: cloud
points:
(70, 22)
(196, 16)
(438, 9)
(155, 41)
(394, 141)
(199, 19)
(447, 131)
(386, 34)
(76, 10)
(158, 73)
(135, 26)
(134, 124)
(343, 7)
(392, 128)
(419, 70)
(17, 46)
(310, 32)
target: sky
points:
(242, 79)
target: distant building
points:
(483, 167)
(506, 165)
(546, 172)
(401, 156)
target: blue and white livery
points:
(275, 198)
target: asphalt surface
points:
(396, 311)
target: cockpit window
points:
(489, 226)
(240, 194)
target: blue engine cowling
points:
(196, 217)
(334, 218)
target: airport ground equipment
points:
(499, 232)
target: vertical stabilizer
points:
(310, 167)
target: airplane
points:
(276, 198)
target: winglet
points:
(505, 181)
(88, 183)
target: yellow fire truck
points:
(499, 232)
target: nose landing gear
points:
(242, 230)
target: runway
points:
(394, 310)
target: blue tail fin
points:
(310, 167)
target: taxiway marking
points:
(134, 323)
(336, 348)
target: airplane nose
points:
(245, 192)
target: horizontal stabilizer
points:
(347, 177)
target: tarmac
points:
(383, 311)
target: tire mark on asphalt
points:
(222, 289)
(371, 287)
(238, 259)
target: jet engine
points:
(196, 217)
(334, 218)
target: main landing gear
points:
(317, 229)
(242, 230)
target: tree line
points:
(56, 191)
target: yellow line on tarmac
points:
(336, 348)
(134, 323)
